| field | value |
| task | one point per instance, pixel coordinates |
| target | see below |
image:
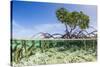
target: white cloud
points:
(19, 31)
(51, 28)
(22, 32)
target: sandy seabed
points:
(58, 56)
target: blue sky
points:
(29, 18)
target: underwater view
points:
(40, 52)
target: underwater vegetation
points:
(38, 52)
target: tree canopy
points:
(72, 19)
